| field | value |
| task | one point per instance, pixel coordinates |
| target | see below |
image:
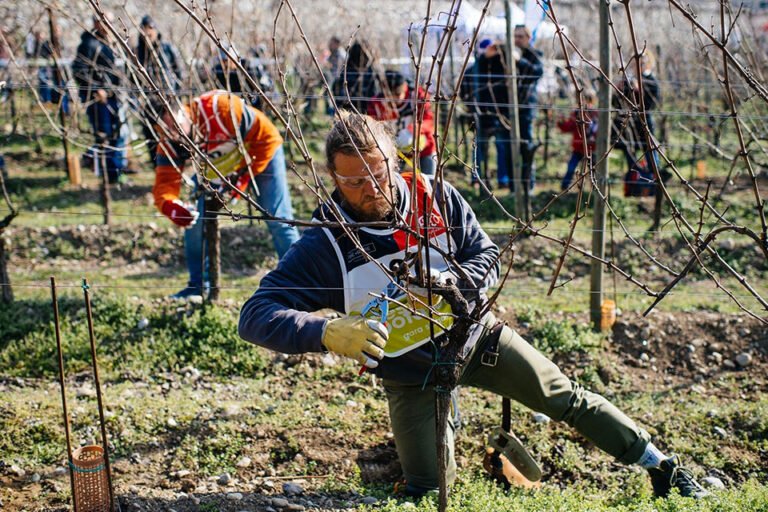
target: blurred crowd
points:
(220, 109)
(117, 84)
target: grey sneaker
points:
(671, 474)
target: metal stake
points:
(61, 383)
(104, 439)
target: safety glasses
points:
(380, 175)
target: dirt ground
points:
(664, 351)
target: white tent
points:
(493, 27)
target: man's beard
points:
(381, 210)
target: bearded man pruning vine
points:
(327, 268)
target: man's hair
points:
(394, 79)
(353, 134)
(588, 94)
(524, 28)
(648, 60)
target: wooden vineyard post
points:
(213, 245)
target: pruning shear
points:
(378, 307)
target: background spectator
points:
(96, 70)
(163, 64)
(580, 145)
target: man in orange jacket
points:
(222, 126)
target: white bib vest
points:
(407, 331)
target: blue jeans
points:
(50, 90)
(273, 196)
(527, 147)
(491, 126)
(573, 163)
(109, 126)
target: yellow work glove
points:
(356, 337)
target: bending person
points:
(215, 121)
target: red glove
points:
(181, 214)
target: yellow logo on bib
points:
(408, 331)
(227, 158)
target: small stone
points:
(712, 482)
(743, 359)
(729, 364)
(60, 471)
(85, 392)
(726, 244)
(720, 431)
(54, 486)
(716, 357)
(244, 462)
(291, 489)
(171, 423)
(744, 332)
(235, 496)
(231, 410)
(190, 372)
(369, 500)
(279, 502)
(143, 323)
(182, 473)
(294, 506)
(644, 357)
(224, 479)
(329, 359)
(35, 478)
(351, 403)
(270, 509)
(17, 471)
(712, 413)
(195, 299)
(541, 418)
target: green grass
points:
(477, 494)
(176, 336)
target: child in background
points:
(579, 146)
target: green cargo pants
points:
(523, 374)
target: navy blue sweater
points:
(309, 278)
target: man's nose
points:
(370, 188)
